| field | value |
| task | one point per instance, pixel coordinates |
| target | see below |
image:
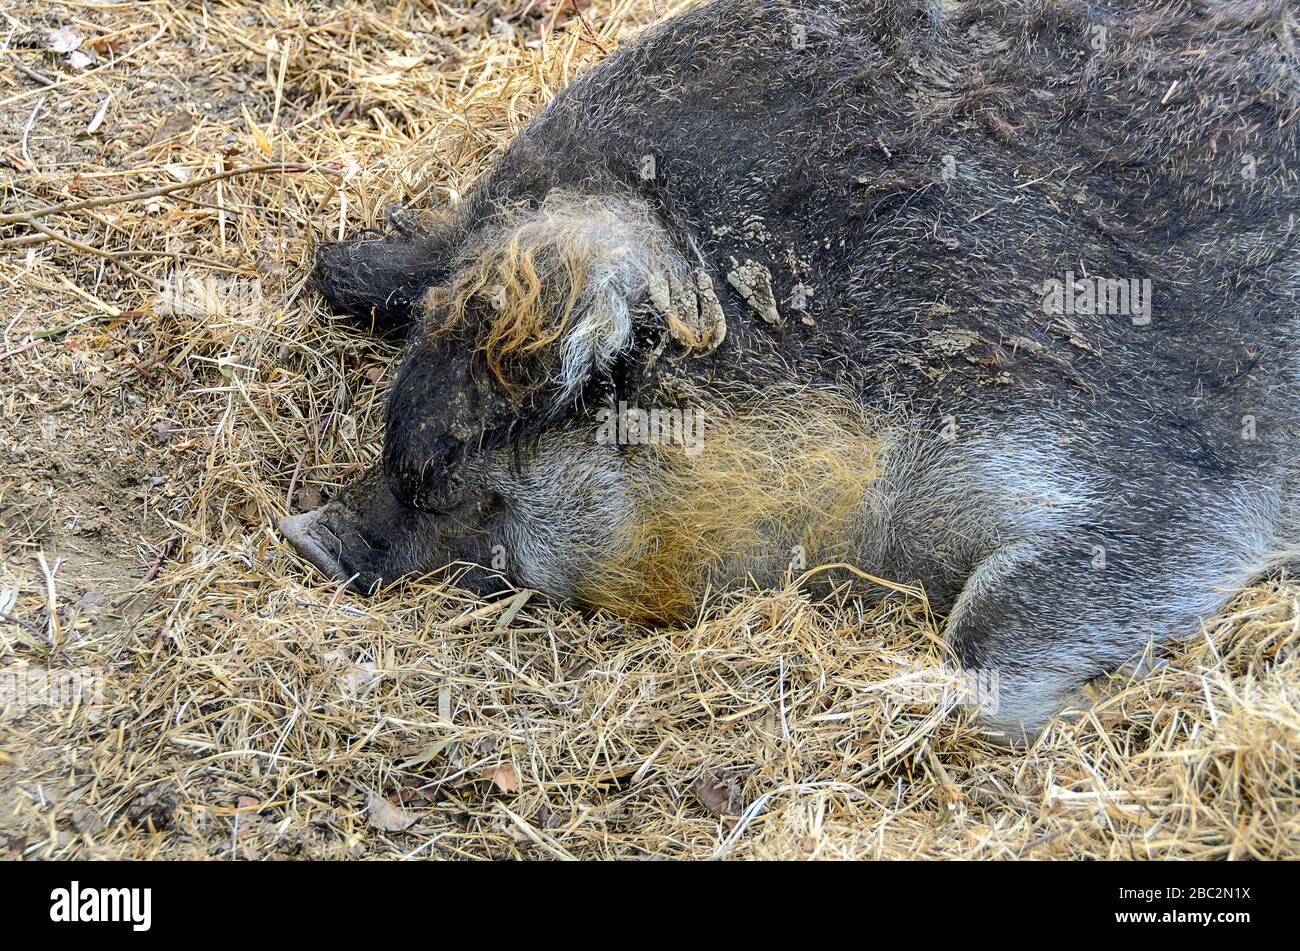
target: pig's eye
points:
(424, 476)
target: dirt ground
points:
(170, 389)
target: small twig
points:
(33, 74)
(87, 249)
(162, 555)
(52, 598)
(30, 239)
(65, 328)
(221, 204)
(25, 240)
(1044, 839)
(45, 334)
(25, 217)
(27, 130)
(40, 335)
(297, 469)
(26, 626)
(293, 480)
(109, 63)
(591, 34)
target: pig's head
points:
(425, 504)
(491, 458)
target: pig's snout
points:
(367, 536)
(311, 535)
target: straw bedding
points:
(153, 434)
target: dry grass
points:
(252, 711)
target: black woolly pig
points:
(999, 297)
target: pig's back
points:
(918, 175)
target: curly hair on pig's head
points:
(548, 293)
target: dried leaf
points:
(98, 119)
(516, 605)
(428, 753)
(721, 796)
(262, 142)
(175, 124)
(103, 44)
(506, 779)
(85, 820)
(386, 817)
(358, 677)
(64, 40)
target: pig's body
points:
(923, 391)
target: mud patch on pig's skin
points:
(691, 310)
(754, 283)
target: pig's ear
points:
(563, 290)
(380, 279)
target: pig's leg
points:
(1037, 620)
(380, 279)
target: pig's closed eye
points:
(434, 482)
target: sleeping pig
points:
(994, 297)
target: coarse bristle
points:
(774, 480)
